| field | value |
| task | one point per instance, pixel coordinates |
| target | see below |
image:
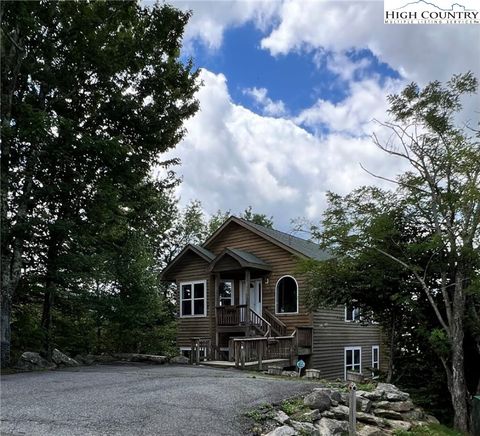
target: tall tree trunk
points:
(458, 389)
(48, 300)
(5, 331)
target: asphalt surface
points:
(135, 400)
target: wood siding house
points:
(270, 321)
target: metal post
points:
(352, 415)
(197, 356)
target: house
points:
(240, 298)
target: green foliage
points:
(293, 406)
(257, 218)
(92, 94)
(429, 430)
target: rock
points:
(370, 419)
(290, 373)
(373, 396)
(340, 412)
(331, 427)
(83, 359)
(62, 359)
(317, 400)
(328, 414)
(30, 361)
(399, 425)
(397, 406)
(310, 416)
(305, 428)
(390, 414)
(414, 415)
(334, 395)
(344, 398)
(363, 405)
(281, 417)
(391, 392)
(430, 419)
(181, 360)
(151, 358)
(368, 430)
(284, 430)
(104, 358)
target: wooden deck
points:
(226, 364)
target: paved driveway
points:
(135, 400)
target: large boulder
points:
(151, 358)
(397, 406)
(369, 419)
(30, 361)
(340, 412)
(284, 430)
(310, 416)
(85, 359)
(399, 425)
(331, 427)
(182, 360)
(363, 404)
(305, 428)
(391, 392)
(62, 359)
(390, 414)
(318, 399)
(281, 417)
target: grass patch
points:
(261, 413)
(293, 405)
(429, 430)
(367, 387)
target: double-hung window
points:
(353, 359)
(375, 358)
(225, 293)
(352, 314)
(193, 298)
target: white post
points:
(352, 415)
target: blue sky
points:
(291, 89)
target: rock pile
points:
(379, 413)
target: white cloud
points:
(354, 115)
(419, 52)
(269, 107)
(233, 157)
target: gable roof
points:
(244, 258)
(289, 242)
(208, 256)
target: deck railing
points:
(278, 327)
(241, 315)
(258, 349)
(201, 349)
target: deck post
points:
(236, 347)
(247, 295)
(242, 354)
(260, 354)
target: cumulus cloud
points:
(233, 157)
(268, 106)
(419, 52)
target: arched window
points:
(286, 295)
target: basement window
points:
(286, 295)
(193, 299)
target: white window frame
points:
(375, 347)
(233, 291)
(352, 312)
(192, 283)
(276, 296)
(352, 349)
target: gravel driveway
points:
(136, 400)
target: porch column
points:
(216, 283)
(247, 290)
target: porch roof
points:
(243, 258)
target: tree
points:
(92, 94)
(440, 202)
(257, 218)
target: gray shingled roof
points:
(307, 248)
(248, 257)
(204, 251)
